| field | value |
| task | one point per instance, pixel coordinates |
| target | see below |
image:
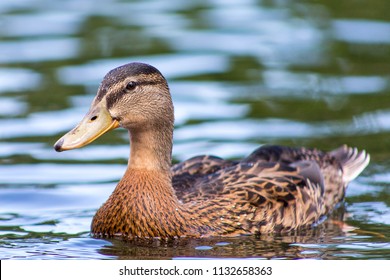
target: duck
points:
(275, 189)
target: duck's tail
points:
(352, 161)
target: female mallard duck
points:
(275, 189)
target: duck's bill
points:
(97, 122)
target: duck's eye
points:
(131, 85)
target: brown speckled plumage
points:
(274, 189)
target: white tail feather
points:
(352, 161)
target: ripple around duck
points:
(371, 212)
(48, 174)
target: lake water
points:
(242, 73)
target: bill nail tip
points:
(58, 145)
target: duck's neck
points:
(151, 148)
(144, 203)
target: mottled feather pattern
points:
(274, 189)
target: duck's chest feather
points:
(142, 205)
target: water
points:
(242, 73)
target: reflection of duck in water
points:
(273, 189)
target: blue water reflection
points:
(11, 79)
(362, 31)
(31, 50)
(41, 24)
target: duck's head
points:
(134, 96)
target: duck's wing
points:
(337, 167)
(275, 188)
(188, 175)
(185, 174)
(204, 164)
(348, 160)
(287, 155)
(261, 197)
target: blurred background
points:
(242, 73)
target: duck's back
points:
(274, 188)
